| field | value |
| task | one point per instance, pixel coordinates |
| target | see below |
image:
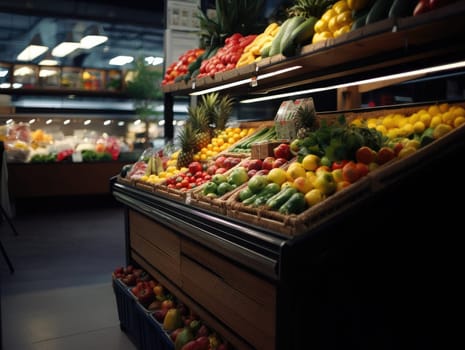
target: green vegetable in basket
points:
(210, 187)
(294, 205)
(223, 188)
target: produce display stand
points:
(378, 271)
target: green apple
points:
(325, 183)
(219, 178)
(238, 176)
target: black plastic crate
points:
(153, 336)
(129, 318)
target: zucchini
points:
(402, 8)
(379, 11)
(294, 205)
(265, 51)
(303, 33)
(280, 198)
(270, 190)
(276, 43)
(294, 23)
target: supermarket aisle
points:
(60, 296)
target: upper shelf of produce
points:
(392, 45)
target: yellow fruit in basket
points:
(311, 162)
(444, 107)
(419, 127)
(448, 117)
(328, 15)
(294, 171)
(441, 130)
(313, 197)
(277, 175)
(435, 121)
(302, 184)
(434, 109)
(426, 119)
(459, 121)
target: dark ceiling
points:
(134, 27)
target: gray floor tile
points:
(60, 296)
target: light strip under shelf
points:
(244, 81)
(413, 73)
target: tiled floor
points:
(60, 296)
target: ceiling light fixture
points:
(412, 74)
(33, 50)
(66, 47)
(93, 38)
(245, 81)
(121, 60)
(153, 61)
(48, 60)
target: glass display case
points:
(49, 77)
(25, 76)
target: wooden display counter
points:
(60, 179)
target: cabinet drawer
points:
(242, 301)
(157, 244)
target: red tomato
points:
(338, 164)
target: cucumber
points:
(379, 11)
(294, 205)
(276, 43)
(270, 190)
(359, 22)
(280, 198)
(303, 33)
(265, 51)
(402, 8)
(294, 22)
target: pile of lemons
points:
(396, 125)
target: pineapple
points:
(209, 103)
(224, 110)
(308, 8)
(305, 121)
(187, 142)
(200, 124)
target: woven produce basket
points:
(311, 218)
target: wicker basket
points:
(309, 219)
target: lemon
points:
(448, 117)
(314, 196)
(426, 119)
(389, 123)
(277, 175)
(459, 121)
(311, 162)
(294, 171)
(406, 151)
(434, 109)
(382, 129)
(444, 107)
(419, 127)
(441, 130)
(435, 121)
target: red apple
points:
(255, 164)
(365, 155)
(221, 170)
(385, 154)
(279, 162)
(268, 163)
(219, 161)
(282, 151)
(362, 168)
(350, 172)
(262, 172)
(251, 172)
(212, 169)
(195, 167)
